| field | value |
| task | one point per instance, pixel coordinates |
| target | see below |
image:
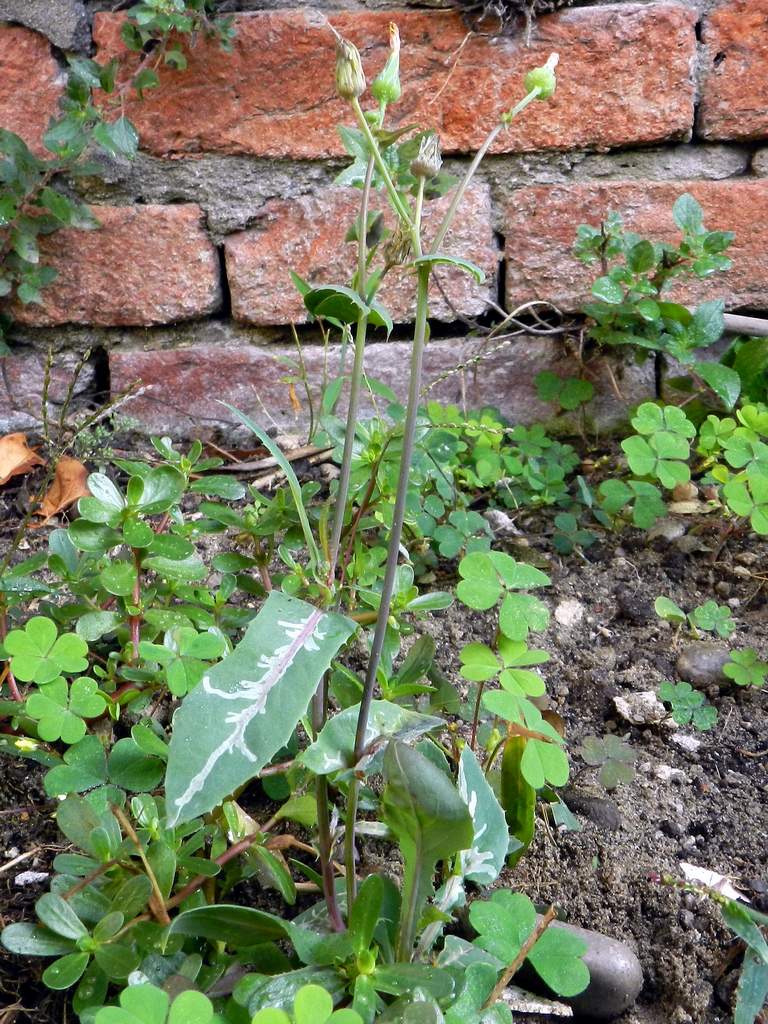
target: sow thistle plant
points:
(125, 624)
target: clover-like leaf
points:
(614, 757)
(713, 618)
(59, 710)
(39, 654)
(689, 706)
(746, 668)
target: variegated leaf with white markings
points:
(246, 707)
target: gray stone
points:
(659, 163)
(21, 387)
(760, 163)
(600, 810)
(701, 663)
(615, 976)
(230, 189)
(64, 22)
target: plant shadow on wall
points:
(34, 200)
(289, 666)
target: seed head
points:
(428, 161)
(350, 78)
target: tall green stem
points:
(393, 555)
(470, 173)
(356, 382)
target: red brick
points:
(734, 100)
(307, 235)
(31, 83)
(180, 384)
(624, 78)
(144, 265)
(541, 222)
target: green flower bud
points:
(428, 161)
(350, 79)
(543, 78)
(386, 85)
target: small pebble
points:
(687, 919)
(643, 708)
(666, 773)
(30, 878)
(685, 742)
(673, 829)
(701, 663)
(569, 613)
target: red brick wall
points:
(186, 284)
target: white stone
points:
(642, 708)
(569, 613)
(685, 742)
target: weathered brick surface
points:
(734, 100)
(181, 383)
(30, 84)
(21, 387)
(624, 78)
(307, 235)
(144, 265)
(540, 225)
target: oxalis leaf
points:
(246, 708)
(504, 924)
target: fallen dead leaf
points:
(69, 484)
(16, 457)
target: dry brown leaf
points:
(69, 484)
(16, 457)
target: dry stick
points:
(517, 963)
(157, 897)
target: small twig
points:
(157, 903)
(517, 963)
(17, 860)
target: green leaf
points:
(557, 959)
(607, 290)
(441, 259)
(752, 989)
(31, 940)
(131, 768)
(57, 915)
(119, 578)
(687, 215)
(247, 706)
(337, 302)
(239, 927)
(707, 324)
(119, 138)
(669, 611)
(431, 821)
(65, 972)
(483, 860)
(364, 916)
(333, 750)
(724, 381)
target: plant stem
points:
(490, 139)
(135, 620)
(357, 378)
(393, 555)
(517, 963)
(157, 901)
(395, 198)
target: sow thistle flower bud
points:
(543, 78)
(350, 79)
(428, 161)
(386, 85)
